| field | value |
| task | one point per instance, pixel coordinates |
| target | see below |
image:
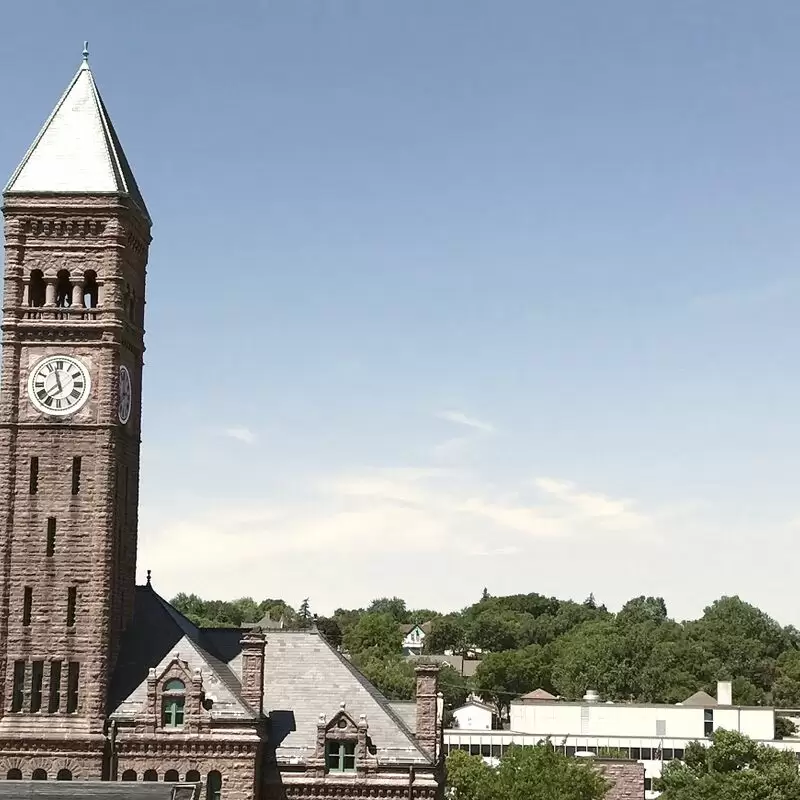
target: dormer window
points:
(340, 756)
(173, 703)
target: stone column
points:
(77, 295)
(50, 291)
(253, 644)
(427, 707)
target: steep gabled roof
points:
(77, 150)
(700, 699)
(538, 694)
(305, 677)
(159, 631)
(96, 790)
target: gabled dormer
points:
(343, 745)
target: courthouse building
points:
(103, 680)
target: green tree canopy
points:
(374, 634)
(525, 773)
(501, 677)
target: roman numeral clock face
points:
(59, 385)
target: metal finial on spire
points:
(148, 577)
(86, 51)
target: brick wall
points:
(627, 778)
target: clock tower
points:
(77, 234)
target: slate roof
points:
(305, 677)
(77, 150)
(700, 699)
(407, 627)
(156, 634)
(464, 666)
(407, 711)
(96, 790)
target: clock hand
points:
(58, 383)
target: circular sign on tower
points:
(59, 385)
(125, 395)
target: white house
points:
(649, 733)
(474, 716)
(414, 637)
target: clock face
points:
(59, 385)
(125, 395)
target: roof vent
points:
(591, 696)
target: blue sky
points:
(496, 293)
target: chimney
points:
(724, 693)
(428, 728)
(253, 644)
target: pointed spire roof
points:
(77, 150)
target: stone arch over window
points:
(214, 785)
(37, 290)
(14, 775)
(64, 775)
(39, 775)
(171, 776)
(129, 775)
(63, 289)
(150, 775)
(192, 776)
(91, 289)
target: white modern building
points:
(474, 716)
(649, 733)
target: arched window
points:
(91, 291)
(63, 289)
(64, 775)
(129, 775)
(150, 775)
(192, 776)
(14, 775)
(214, 786)
(39, 775)
(171, 776)
(174, 703)
(36, 289)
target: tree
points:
(329, 628)
(394, 606)
(495, 629)
(501, 677)
(374, 635)
(304, 614)
(525, 773)
(454, 687)
(447, 633)
(733, 767)
(784, 727)
(393, 676)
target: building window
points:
(129, 775)
(14, 775)
(37, 676)
(39, 775)
(34, 479)
(648, 784)
(51, 536)
(76, 475)
(192, 776)
(661, 727)
(173, 704)
(73, 679)
(341, 756)
(150, 775)
(214, 786)
(72, 600)
(91, 291)
(63, 289)
(171, 776)
(64, 775)
(27, 605)
(54, 701)
(18, 688)
(708, 722)
(36, 289)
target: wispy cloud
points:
(241, 434)
(739, 299)
(460, 418)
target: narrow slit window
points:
(72, 599)
(34, 479)
(51, 536)
(27, 605)
(54, 701)
(76, 475)
(37, 675)
(18, 690)
(73, 678)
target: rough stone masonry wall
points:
(627, 778)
